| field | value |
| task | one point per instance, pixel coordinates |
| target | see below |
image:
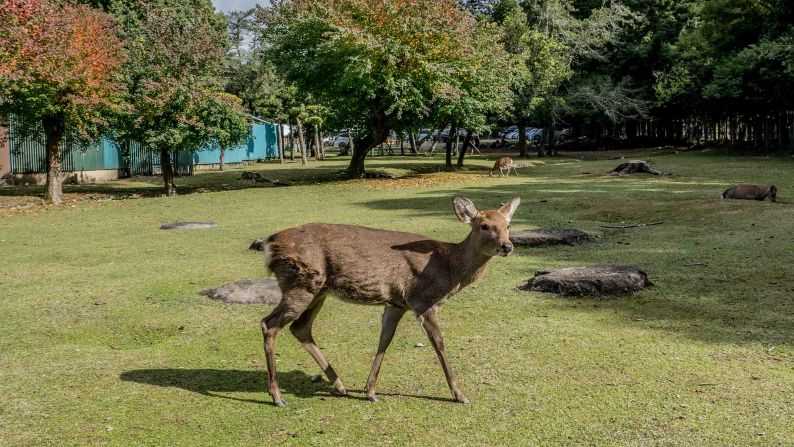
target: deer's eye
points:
(484, 227)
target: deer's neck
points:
(467, 263)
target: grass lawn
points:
(105, 340)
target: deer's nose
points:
(506, 247)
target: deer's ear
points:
(464, 209)
(508, 209)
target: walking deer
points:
(505, 164)
(401, 271)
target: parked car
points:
(341, 141)
(560, 136)
(533, 134)
(445, 134)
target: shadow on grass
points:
(229, 180)
(211, 382)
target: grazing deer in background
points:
(751, 192)
(505, 164)
(401, 271)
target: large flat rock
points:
(594, 280)
(549, 236)
(247, 291)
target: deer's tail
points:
(268, 258)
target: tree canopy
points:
(58, 73)
(378, 66)
(173, 75)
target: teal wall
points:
(28, 155)
(261, 145)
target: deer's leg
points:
(292, 305)
(391, 317)
(433, 331)
(515, 171)
(302, 330)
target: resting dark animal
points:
(750, 192)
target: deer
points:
(400, 271)
(505, 164)
(751, 192)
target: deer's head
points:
(490, 228)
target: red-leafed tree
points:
(58, 64)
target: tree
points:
(177, 50)
(732, 68)
(58, 68)
(376, 66)
(481, 88)
(554, 47)
(224, 122)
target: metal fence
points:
(28, 153)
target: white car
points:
(341, 141)
(533, 134)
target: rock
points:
(549, 236)
(595, 280)
(187, 225)
(635, 166)
(247, 291)
(258, 245)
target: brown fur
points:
(751, 192)
(402, 271)
(503, 164)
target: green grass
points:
(105, 340)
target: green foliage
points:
(386, 65)
(59, 61)
(553, 44)
(222, 120)
(173, 77)
(481, 87)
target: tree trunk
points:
(53, 133)
(466, 143)
(168, 172)
(301, 142)
(291, 142)
(548, 136)
(361, 148)
(523, 152)
(223, 153)
(412, 143)
(318, 143)
(280, 143)
(452, 131)
(434, 143)
(435, 139)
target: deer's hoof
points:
(280, 403)
(342, 392)
(373, 398)
(461, 399)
